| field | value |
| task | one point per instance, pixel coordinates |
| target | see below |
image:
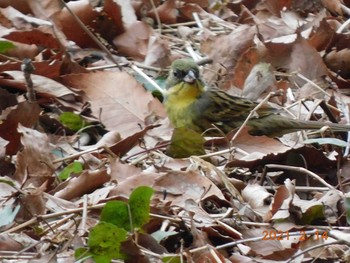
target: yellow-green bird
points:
(189, 104)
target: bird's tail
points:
(277, 125)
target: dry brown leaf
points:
(259, 81)
(34, 37)
(127, 185)
(134, 41)
(22, 51)
(258, 144)
(338, 62)
(201, 218)
(158, 54)
(256, 195)
(305, 59)
(32, 203)
(167, 12)
(124, 102)
(121, 12)
(244, 65)
(44, 68)
(8, 242)
(97, 20)
(180, 186)
(86, 182)
(282, 201)
(21, 21)
(333, 6)
(34, 162)
(323, 36)
(227, 49)
(56, 205)
(20, 5)
(122, 147)
(46, 8)
(42, 85)
(7, 99)
(26, 114)
(121, 171)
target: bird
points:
(190, 104)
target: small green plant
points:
(74, 167)
(72, 121)
(118, 221)
(6, 45)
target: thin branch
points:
(28, 68)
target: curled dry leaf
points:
(339, 61)
(34, 162)
(86, 182)
(43, 86)
(256, 195)
(282, 201)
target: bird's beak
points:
(190, 77)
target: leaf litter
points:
(244, 199)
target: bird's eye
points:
(178, 74)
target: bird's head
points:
(183, 70)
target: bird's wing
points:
(228, 107)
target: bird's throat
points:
(178, 103)
(184, 93)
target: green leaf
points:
(332, 141)
(75, 167)
(139, 203)
(72, 121)
(116, 213)
(9, 182)
(5, 45)
(104, 242)
(313, 213)
(185, 143)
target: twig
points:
(146, 77)
(301, 170)
(314, 247)
(157, 16)
(197, 20)
(75, 155)
(343, 26)
(28, 68)
(312, 83)
(251, 114)
(74, 211)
